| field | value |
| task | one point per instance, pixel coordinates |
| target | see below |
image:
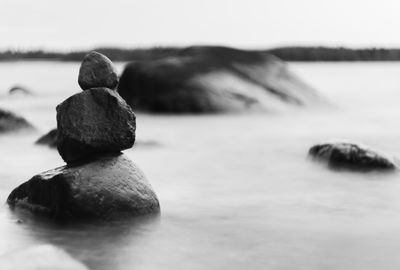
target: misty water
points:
(236, 191)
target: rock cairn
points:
(93, 127)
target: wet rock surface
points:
(350, 156)
(97, 71)
(11, 122)
(95, 121)
(107, 187)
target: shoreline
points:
(289, 54)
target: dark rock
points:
(107, 187)
(352, 157)
(12, 122)
(95, 121)
(97, 71)
(49, 139)
(212, 79)
(19, 89)
(40, 257)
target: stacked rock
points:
(93, 127)
(97, 120)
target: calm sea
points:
(236, 191)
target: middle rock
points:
(95, 121)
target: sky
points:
(84, 24)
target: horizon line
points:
(131, 48)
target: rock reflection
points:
(98, 244)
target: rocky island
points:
(212, 79)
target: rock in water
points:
(11, 122)
(351, 156)
(211, 80)
(107, 187)
(49, 139)
(97, 71)
(41, 257)
(19, 89)
(95, 121)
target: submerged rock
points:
(351, 156)
(210, 80)
(95, 121)
(19, 89)
(97, 71)
(107, 187)
(49, 139)
(12, 122)
(40, 257)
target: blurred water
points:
(236, 191)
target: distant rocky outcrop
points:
(212, 79)
(350, 156)
(11, 122)
(98, 181)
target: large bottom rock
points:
(42, 257)
(11, 122)
(351, 156)
(107, 187)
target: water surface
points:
(236, 191)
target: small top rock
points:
(97, 71)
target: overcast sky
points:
(84, 24)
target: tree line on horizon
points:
(336, 54)
(115, 54)
(305, 54)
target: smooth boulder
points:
(110, 186)
(94, 121)
(351, 156)
(11, 122)
(40, 257)
(97, 71)
(206, 79)
(49, 139)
